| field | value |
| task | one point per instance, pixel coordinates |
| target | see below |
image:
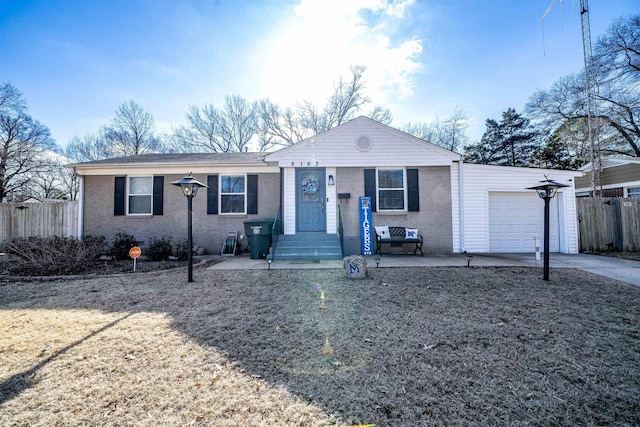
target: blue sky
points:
(77, 61)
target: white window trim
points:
(129, 194)
(220, 194)
(404, 189)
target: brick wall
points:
(209, 231)
(433, 220)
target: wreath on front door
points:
(310, 184)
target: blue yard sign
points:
(366, 235)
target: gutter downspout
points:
(80, 204)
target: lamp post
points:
(546, 190)
(189, 187)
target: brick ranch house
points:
(312, 189)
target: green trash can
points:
(258, 232)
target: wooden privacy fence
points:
(42, 219)
(609, 223)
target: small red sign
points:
(135, 252)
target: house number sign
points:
(303, 163)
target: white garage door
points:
(515, 219)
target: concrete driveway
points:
(619, 269)
(625, 270)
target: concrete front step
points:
(307, 246)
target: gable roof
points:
(363, 142)
(610, 162)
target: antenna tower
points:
(594, 149)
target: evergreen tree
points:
(509, 142)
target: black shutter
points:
(158, 190)
(212, 194)
(118, 195)
(413, 191)
(370, 186)
(252, 194)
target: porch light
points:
(189, 187)
(546, 190)
(332, 181)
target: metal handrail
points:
(275, 233)
(340, 230)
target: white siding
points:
(289, 202)
(479, 180)
(337, 148)
(456, 225)
(332, 203)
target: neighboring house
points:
(620, 178)
(313, 189)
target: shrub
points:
(159, 249)
(121, 245)
(182, 252)
(42, 256)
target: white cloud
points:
(306, 52)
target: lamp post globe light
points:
(546, 190)
(189, 187)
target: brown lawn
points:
(404, 347)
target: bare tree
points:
(69, 184)
(202, 133)
(347, 99)
(48, 182)
(618, 50)
(238, 124)
(132, 132)
(450, 133)
(217, 130)
(380, 114)
(616, 100)
(11, 99)
(88, 148)
(23, 142)
(278, 126)
(420, 130)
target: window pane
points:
(390, 179)
(634, 192)
(140, 204)
(141, 185)
(232, 204)
(391, 199)
(232, 184)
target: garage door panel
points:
(495, 228)
(516, 219)
(512, 229)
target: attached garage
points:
(498, 214)
(516, 219)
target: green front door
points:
(310, 200)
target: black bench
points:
(399, 235)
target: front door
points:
(310, 200)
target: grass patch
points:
(410, 346)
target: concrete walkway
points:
(619, 269)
